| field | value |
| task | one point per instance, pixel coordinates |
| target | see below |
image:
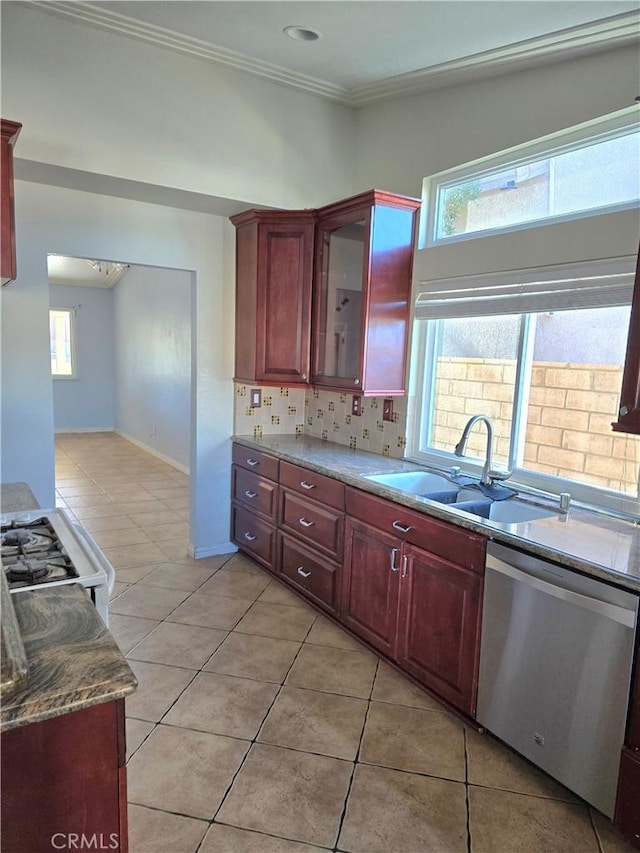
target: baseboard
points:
(152, 451)
(64, 430)
(211, 550)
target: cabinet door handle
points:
(253, 462)
(392, 559)
(304, 376)
(250, 494)
(306, 485)
(303, 521)
(405, 560)
(302, 572)
(401, 527)
(250, 537)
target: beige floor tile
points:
(127, 631)
(389, 811)
(178, 645)
(158, 688)
(153, 831)
(276, 620)
(167, 532)
(302, 801)
(115, 522)
(128, 493)
(76, 491)
(340, 671)
(175, 551)
(223, 705)
(180, 770)
(315, 722)
(119, 538)
(211, 611)
(239, 584)
(118, 589)
(137, 731)
(149, 602)
(492, 765)
(177, 576)
(242, 564)
(86, 512)
(141, 507)
(610, 839)
(412, 739)
(134, 555)
(325, 633)
(157, 516)
(277, 593)
(132, 574)
(230, 839)
(251, 656)
(501, 820)
(164, 494)
(391, 686)
(177, 503)
(82, 501)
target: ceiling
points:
(369, 48)
(84, 272)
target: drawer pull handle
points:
(303, 521)
(250, 536)
(401, 527)
(253, 462)
(392, 560)
(250, 494)
(302, 572)
(405, 560)
(306, 485)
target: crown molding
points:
(605, 34)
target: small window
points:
(62, 344)
(520, 189)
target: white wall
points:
(87, 401)
(94, 101)
(153, 360)
(51, 219)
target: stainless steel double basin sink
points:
(468, 498)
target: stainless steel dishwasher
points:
(555, 666)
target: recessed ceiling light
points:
(302, 33)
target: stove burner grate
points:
(33, 554)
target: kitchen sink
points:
(415, 482)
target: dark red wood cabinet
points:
(627, 816)
(274, 270)
(65, 778)
(254, 504)
(629, 411)
(9, 131)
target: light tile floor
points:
(260, 727)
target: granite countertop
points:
(57, 654)
(591, 542)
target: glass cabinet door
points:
(340, 324)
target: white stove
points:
(43, 547)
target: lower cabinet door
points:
(254, 536)
(309, 572)
(439, 636)
(370, 585)
(627, 817)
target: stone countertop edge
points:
(74, 661)
(593, 543)
(14, 667)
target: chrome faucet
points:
(488, 473)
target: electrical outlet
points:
(356, 405)
(387, 409)
(154, 431)
(256, 398)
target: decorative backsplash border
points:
(322, 414)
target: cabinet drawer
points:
(253, 535)
(446, 540)
(316, 577)
(257, 493)
(256, 461)
(315, 486)
(312, 521)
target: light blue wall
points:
(87, 402)
(153, 360)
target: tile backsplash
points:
(323, 414)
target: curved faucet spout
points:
(488, 472)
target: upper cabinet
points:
(274, 270)
(362, 289)
(350, 263)
(9, 133)
(629, 412)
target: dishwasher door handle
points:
(610, 611)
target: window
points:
(62, 345)
(548, 379)
(541, 182)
